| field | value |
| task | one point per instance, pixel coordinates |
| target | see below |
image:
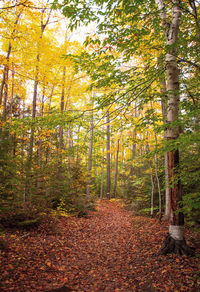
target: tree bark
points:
(30, 151)
(175, 241)
(158, 184)
(4, 82)
(167, 195)
(116, 170)
(62, 104)
(152, 193)
(102, 173)
(90, 157)
(108, 157)
(163, 90)
(134, 135)
(156, 170)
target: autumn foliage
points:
(110, 250)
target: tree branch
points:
(189, 62)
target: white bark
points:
(171, 32)
(176, 232)
(108, 156)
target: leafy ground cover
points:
(111, 250)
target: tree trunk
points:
(175, 241)
(62, 104)
(133, 153)
(108, 157)
(4, 81)
(152, 193)
(90, 158)
(43, 95)
(116, 170)
(102, 173)
(163, 90)
(50, 97)
(30, 151)
(167, 196)
(156, 170)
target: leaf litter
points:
(111, 250)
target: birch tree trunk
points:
(175, 241)
(108, 157)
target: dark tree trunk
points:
(116, 170)
(30, 151)
(102, 173)
(90, 158)
(6, 68)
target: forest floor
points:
(111, 250)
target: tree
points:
(108, 182)
(90, 157)
(116, 169)
(43, 25)
(175, 241)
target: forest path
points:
(108, 251)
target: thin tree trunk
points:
(6, 68)
(152, 193)
(102, 173)
(152, 183)
(108, 157)
(123, 182)
(30, 151)
(158, 183)
(78, 138)
(12, 91)
(70, 145)
(50, 97)
(156, 170)
(62, 104)
(167, 195)
(133, 153)
(90, 158)
(163, 89)
(5, 96)
(43, 95)
(116, 170)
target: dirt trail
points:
(109, 251)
